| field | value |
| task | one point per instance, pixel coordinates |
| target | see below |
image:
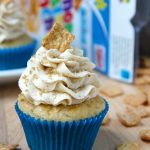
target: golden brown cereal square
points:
(58, 38)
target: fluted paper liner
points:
(51, 135)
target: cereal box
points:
(104, 29)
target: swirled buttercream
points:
(57, 78)
(12, 21)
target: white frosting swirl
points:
(12, 21)
(57, 78)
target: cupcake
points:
(16, 46)
(59, 106)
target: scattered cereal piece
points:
(140, 110)
(106, 120)
(58, 38)
(8, 147)
(145, 62)
(129, 118)
(111, 90)
(135, 99)
(145, 135)
(148, 97)
(7, 1)
(148, 110)
(146, 90)
(143, 71)
(129, 146)
(142, 80)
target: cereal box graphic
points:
(41, 14)
(112, 37)
(108, 36)
(100, 56)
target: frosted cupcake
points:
(16, 47)
(59, 106)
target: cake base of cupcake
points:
(52, 135)
(62, 113)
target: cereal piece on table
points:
(7, 1)
(129, 118)
(111, 90)
(142, 80)
(106, 120)
(148, 110)
(58, 38)
(135, 99)
(148, 97)
(145, 135)
(146, 90)
(143, 71)
(140, 110)
(8, 147)
(128, 146)
(146, 62)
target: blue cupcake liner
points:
(16, 57)
(51, 135)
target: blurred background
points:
(114, 34)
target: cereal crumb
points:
(129, 146)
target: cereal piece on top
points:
(58, 38)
